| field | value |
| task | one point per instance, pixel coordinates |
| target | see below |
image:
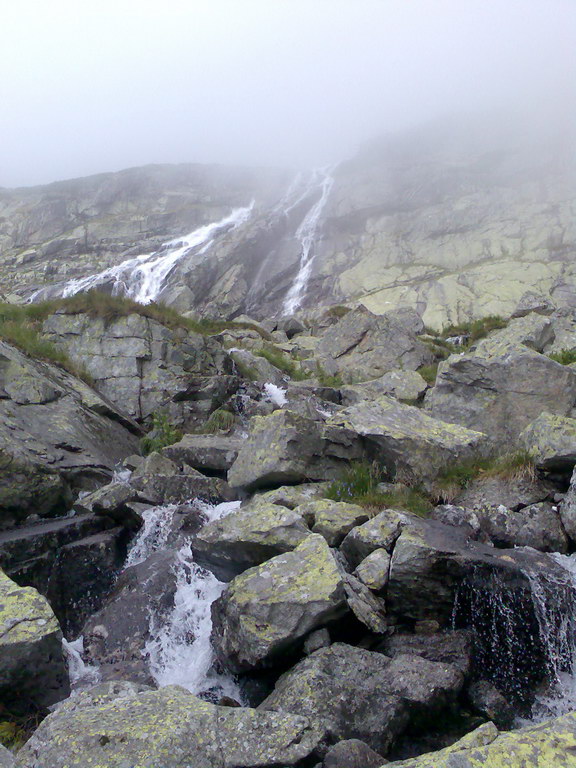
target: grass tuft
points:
(429, 373)
(564, 357)
(219, 421)
(359, 485)
(162, 434)
(327, 380)
(281, 361)
(511, 466)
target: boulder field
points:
(288, 544)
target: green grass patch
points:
(359, 485)
(475, 329)
(162, 434)
(327, 380)
(564, 357)
(219, 421)
(429, 373)
(279, 360)
(510, 466)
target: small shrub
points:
(564, 357)
(12, 735)
(338, 311)
(429, 373)
(475, 329)
(219, 421)
(162, 434)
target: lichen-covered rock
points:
(407, 441)
(551, 744)
(511, 492)
(368, 609)
(248, 537)
(32, 665)
(379, 533)
(116, 725)
(332, 519)
(489, 702)
(213, 453)
(503, 383)
(401, 384)
(292, 496)
(551, 441)
(358, 694)
(256, 368)
(285, 447)
(452, 647)
(363, 346)
(6, 758)
(373, 571)
(267, 611)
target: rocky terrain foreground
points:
(340, 540)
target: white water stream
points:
(142, 278)
(179, 650)
(306, 235)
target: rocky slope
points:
(323, 559)
(456, 222)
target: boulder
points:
(56, 434)
(545, 745)
(358, 694)
(533, 302)
(248, 537)
(116, 636)
(373, 571)
(363, 346)
(118, 724)
(368, 609)
(332, 519)
(113, 501)
(538, 526)
(381, 532)
(503, 383)
(178, 488)
(32, 664)
(267, 611)
(452, 647)
(256, 368)
(398, 383)
(83, 575)
(291, 496)
(514, 492)
(408, 442)
(284, 447)
(206, 453)
(352, 753)
(551, 441)
(487, 700)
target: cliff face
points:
(455, 224)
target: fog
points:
(87, 87)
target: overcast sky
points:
(91, 86)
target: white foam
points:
(276, 394)
(153, 535)
(81, 675)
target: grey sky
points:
(91, 86)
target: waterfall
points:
(179, 650)
(81, 675)
(143, 278)
(306, 235)
(525, 636)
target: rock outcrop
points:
(56, 434)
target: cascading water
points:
(142, 278)
(306, 235)
(525, 637)
(179, 650)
